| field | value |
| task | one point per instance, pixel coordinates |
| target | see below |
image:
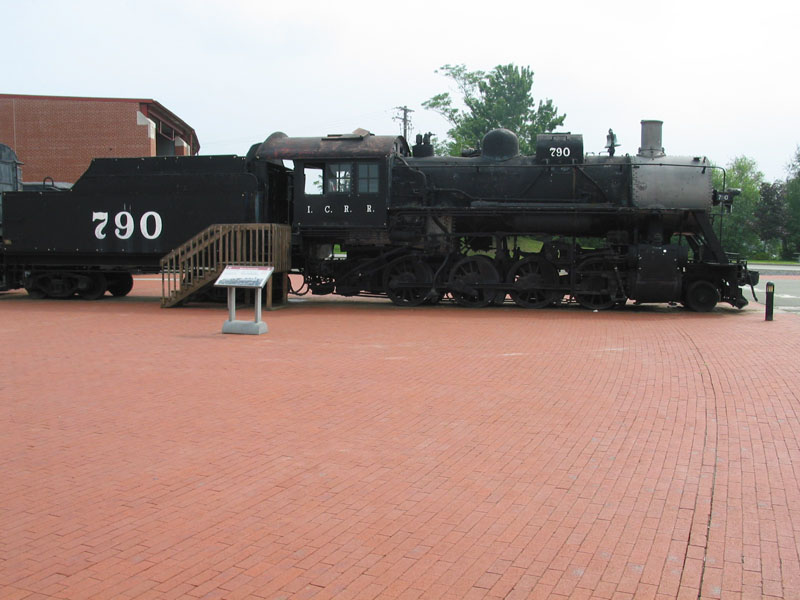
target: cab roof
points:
(359, 144)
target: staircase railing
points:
(199, 261)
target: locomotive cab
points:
(340, 181)
(337, 193)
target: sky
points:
(722, 75)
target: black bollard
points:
(770, 301)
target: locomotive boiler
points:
(372, 216)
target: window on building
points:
(338, 177)
(7, 175)
(367, 178)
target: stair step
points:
(194, 264)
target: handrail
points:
(198, 261)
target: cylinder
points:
(651, 139)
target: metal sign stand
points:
(248, 278)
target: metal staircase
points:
(198, 262)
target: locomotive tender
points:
(371, 216)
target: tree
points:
(793, 168)
(771, 213)
(739, 232)
(500, 98)
(793, 206)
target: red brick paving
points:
(358, 450)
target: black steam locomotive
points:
(371, 216)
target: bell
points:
(611, 142)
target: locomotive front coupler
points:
(748, 277)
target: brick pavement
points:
(358, 450)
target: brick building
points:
(56, 136)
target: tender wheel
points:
(468, 275)
(597, 284)
(701, 296)
(408, 281)
(92, 287)
(57, 285)
(119, 284)
(529, 279)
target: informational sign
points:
(244, 277)
(249, 278)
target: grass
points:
(773, 262)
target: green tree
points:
(771, 213)
(739, 231)
(500, 98)
(793, 206)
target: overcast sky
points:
(721, 75)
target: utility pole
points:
(405, 119)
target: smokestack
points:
(651, 139)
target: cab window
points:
(313, 180)
(338, 177)
(367, 178)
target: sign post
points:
(249, 278)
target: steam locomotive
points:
(371, 216)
